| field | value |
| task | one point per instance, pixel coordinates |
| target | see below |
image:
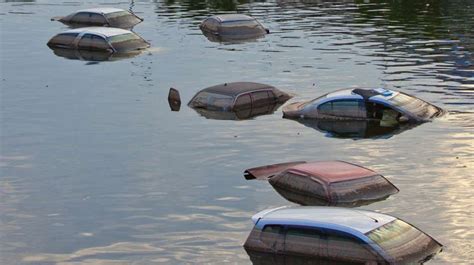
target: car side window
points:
(97, 19)
(272, 236)
(243, 102)
(303, 241)
(301, 183)
(344, 108)
(99, 43)
(348, 249)
(81, 17)
(260, 98)
(85, 42)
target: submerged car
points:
(103, 16)
(336, 183)
(93, 56)
(332, 235)
(238, 97)
(232, 27)
(388, 107)
(111, 40)
(356, 129)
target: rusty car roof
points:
(333, 171)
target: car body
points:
(386, 106)
(356, 129)
(238, 97)
(112, 40)
(336, 183)
(93, 56)
(334, 234)
(103, 17)
(232, 28)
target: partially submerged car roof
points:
(232, 17)
(360, 220)
(334, 171)
(101, 10)
(104, 31)
(236, 88)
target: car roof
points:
(333, 171)
(381, 93)
(104, 31)
(232, 17)
(101, 10)
(236, 88)
(325, 217)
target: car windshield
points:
(403, 242)
(212, 101)
(126, 42)
(414, 105)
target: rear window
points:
(414, 105)
(212, 101)
(122, 18)
(64, 39)
(300, 184)
(128, 41)
(240, 23)
(403, 242)
(369, 188)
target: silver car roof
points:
(338, 218)
(101, 10)
(232, 17)
(104, 31)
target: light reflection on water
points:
(97, 170)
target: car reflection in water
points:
(357, 129)
(94, 56)
(239, 114)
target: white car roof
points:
(104, 31)
(360, 220)
(233, 17)
(101, 10)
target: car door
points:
(263, 102)
(342, 247)
(303, 241)
(272, 237)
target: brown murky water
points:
(95, 168)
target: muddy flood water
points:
(96, 169)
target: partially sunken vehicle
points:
(336, 183)
(111, 40)
(94, 56)
(103, 16)
(388, 107)
(232, 27)
(337, 236)
(244, 99)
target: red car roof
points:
(333, 171)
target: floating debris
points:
(232, 28)
(389, 107)
(103, 17)
(337, 235)
(336, 183)
(174, 99)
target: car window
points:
(367, 188)
(85, 42)
(97, 19)
(122, 18)
(81, 17)
(272, 237)
(303, 241)
(99, 43)
(300, 183)
(64, 39)
(414, 105)
(212, 101)
(127, 41)
(401, 240)
(260, 98)
(243, 101)
(211, 24)
(343, 108)
(348, 249)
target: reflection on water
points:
(356, 129)
(93, 162)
